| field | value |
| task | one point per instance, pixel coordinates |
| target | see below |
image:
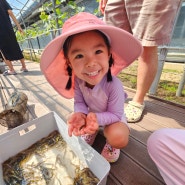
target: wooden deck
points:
(134, 166)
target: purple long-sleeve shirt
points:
(106, 99)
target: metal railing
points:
(34, 46)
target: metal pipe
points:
(162, 58)
(181, 85)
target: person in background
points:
(166, 147)
(82, 63)
(9, 46)
(150, 21)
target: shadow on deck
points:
(134, 166)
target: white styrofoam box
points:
(23, 136)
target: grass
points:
(167, 86)
(35, 58)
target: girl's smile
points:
(93, 73)
(89, 57)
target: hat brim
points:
(125, 49)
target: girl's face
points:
(88, 56)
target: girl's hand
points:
(75, 124)
(91, 124)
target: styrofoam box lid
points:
(23, 136)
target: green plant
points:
(53, 17)
(166, 89)
(169, 86)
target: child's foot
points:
(110, 153)
(23, 69)
(89, 139)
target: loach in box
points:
(22, 137)
(48, 161)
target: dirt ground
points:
(168, 85)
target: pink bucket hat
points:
(125, 49)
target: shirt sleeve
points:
(79, 102)
(115, 105)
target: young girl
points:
(80, 63)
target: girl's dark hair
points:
(67, 45)
(69, 82)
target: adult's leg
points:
(23, 63)
(148, 25)
(9, 64)
(151, 22)
(11, 68)
(148, 20)
(167, 149)
(147, 68)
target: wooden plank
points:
(130, 173)
(10, 84)
(166, 111)
(133, 158)
(111, 180)
(139, 133)
(138, 153)
(48, 96)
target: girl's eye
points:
(99, 51)
(79, 56)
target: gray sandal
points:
(9, 73)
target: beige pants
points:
(151, 21)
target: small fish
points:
(85, 177)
